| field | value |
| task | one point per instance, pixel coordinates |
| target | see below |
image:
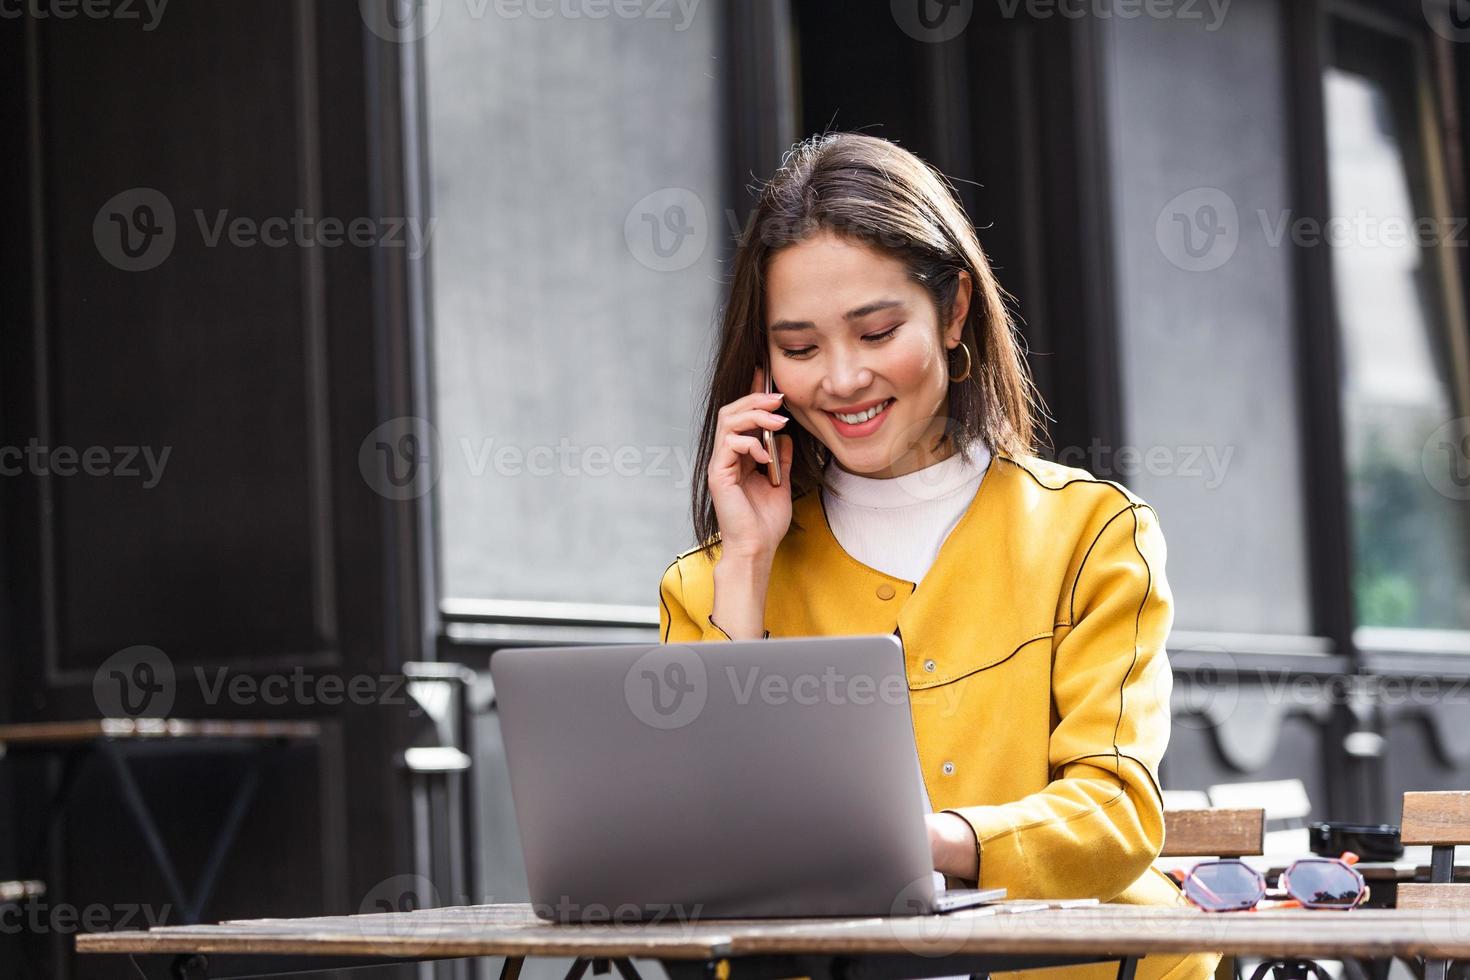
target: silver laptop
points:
(718, 780)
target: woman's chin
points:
(867, 462)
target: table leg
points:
(1357, 969)
(225, 839)
(143, 817)
(868, 966)
(511, 968)
(1127, 966)
(16, 939)
(1290, 970)
(72, 764)
(626, 968)
(191, 907)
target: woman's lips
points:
(849, 431)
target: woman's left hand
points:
(952, 843)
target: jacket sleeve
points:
(677, 622)
(1099, 823)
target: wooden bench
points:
(1441, 821)
(1218, 832)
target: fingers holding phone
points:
(753, 507)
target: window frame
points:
(1383, 648)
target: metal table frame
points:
(839, 966)
(116, 754)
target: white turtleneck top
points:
(898, 525)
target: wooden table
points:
(53, 734)
(969, 941)
(116, 741)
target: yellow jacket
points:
(1038, 679)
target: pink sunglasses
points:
(1231, 885)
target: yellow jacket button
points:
(885, 591)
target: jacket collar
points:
(817, 588)
(816, 535)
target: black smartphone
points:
(1371, 842)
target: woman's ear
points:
(955, 329)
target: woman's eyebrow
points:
(867, 309)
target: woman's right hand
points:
(753, 515)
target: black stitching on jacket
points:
(670, 628)
(1072, 599)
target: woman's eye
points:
(885, 334)
(876, 338)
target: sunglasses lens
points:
(1223, 886)
(1324, 884)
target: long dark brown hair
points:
(871, 191)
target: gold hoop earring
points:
(966, 348)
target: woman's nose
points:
(846, 375)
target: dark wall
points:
(1007, 108)
(13, 306)
(256, 545)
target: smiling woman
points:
(1029, 597)
(852, 238)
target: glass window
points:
(1397, 305)
(577, 176)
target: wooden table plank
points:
(1219, 832)
(1436, 818)
(509, 930)
(74, 732)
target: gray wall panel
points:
(553, 332)
(1206, 339)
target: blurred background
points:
(345, 342)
